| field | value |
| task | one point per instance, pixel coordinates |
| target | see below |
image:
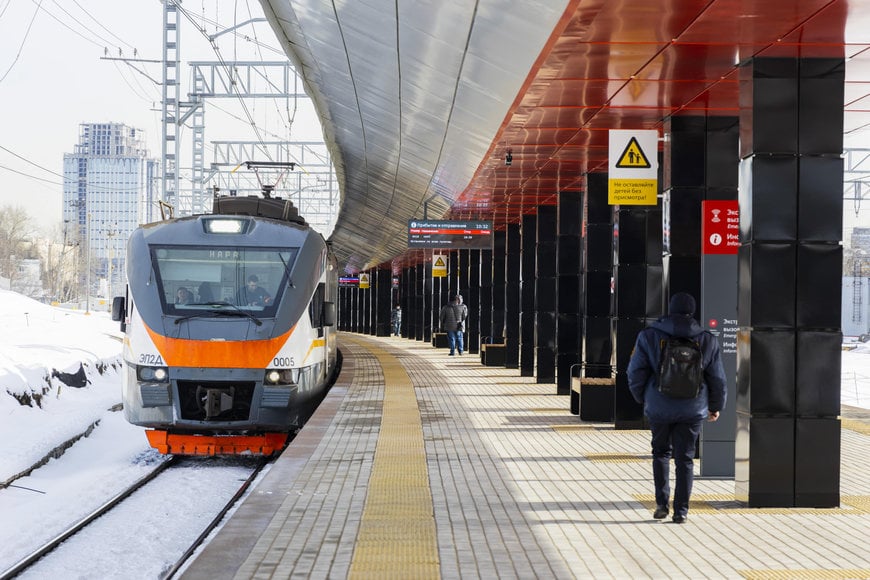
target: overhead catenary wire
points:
(23, 41)
(229, 71)
(68, 27)
(100, 24)
(62, 176)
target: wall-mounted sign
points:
(439, 266)
(720, 227)
(632, 167)
(364, 281)
(453, 235)
(348, 281)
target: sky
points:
(39, 339)
(53, 78)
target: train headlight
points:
(279, 377)
(152, 374)
(225, 225)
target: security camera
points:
(508, 159)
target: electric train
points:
(229, 324)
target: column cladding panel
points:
(596, 402)
(499, 258)
(789, 282)
(545, 294)
(527, 295)
(384, 302)
(512, 296)
(469, 283)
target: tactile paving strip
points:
(397, 536)
(858, 426)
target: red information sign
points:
(720, 227)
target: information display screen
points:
(456, 235)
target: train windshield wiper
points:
(215, 312)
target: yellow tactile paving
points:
(397, 536)
(856, 426)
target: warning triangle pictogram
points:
(633, 157)
(440, 262)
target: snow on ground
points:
(37, 342)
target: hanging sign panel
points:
(439, 266)
(632, 167)
(452, 235)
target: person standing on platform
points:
(452, 321)
(675, 423)
(396, 320)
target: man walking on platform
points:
(452, 320)
(676, 372)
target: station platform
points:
(423, 465)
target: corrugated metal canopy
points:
(420, 100)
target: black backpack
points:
(682, 368)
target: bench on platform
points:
(592, 398)
(492, 355)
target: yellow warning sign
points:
(632, 167)
(439, 266)
(633, 156)
(364, 281)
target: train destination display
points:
(471, 235)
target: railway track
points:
(38, 557)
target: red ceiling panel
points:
(631, 64)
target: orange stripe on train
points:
(224, 354)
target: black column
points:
(527, 295)
(469, 285)
(638, 285)
(499, 245)
(512, 297)
(440, 291)
(790, 270)
(405, 301)
(367, 297)
(484, 275)
(427, 300)
(373, 303)
(419, 300)
(597, 397)
(683, 194)
(545, 294)
(355, 302)
(344, 312)
(384, 301)
(569, 324)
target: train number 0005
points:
(283, 362)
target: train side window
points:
(315, 308)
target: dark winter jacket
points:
(451, 316)
(643, 372)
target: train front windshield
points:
(205, 278)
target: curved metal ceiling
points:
(420, 100)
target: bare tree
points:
(59, 266)
(17, 234)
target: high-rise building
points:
(110, 187)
